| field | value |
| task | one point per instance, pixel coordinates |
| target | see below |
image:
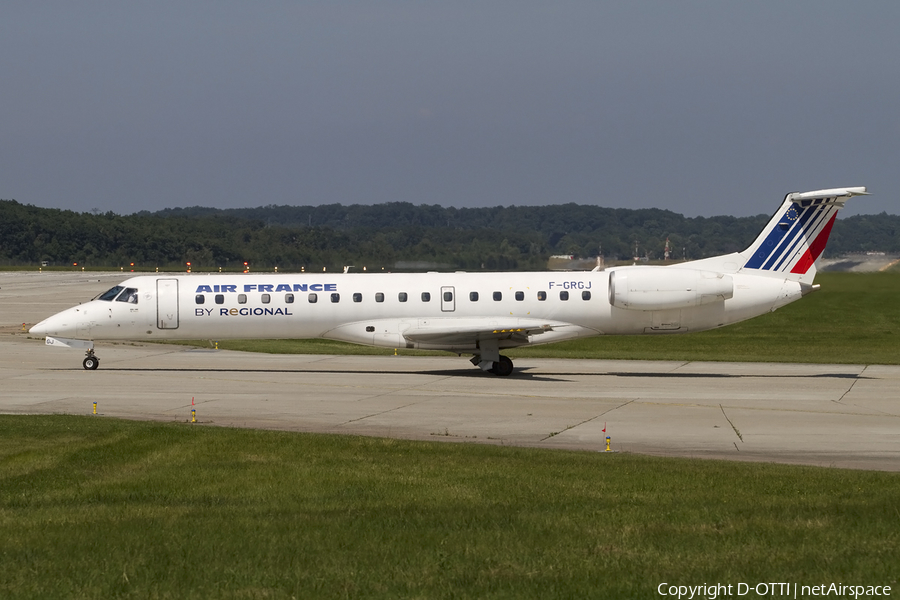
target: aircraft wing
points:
(455, 334)
(452, 333)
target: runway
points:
(826, 415)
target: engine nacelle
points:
(666, 288)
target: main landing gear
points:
(91, 362)
(502, 367)
(489, 359)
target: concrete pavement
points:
(828, 415)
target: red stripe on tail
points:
(815, 249)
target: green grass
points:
(854, 318)
(101, 508)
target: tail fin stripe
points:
(793, 234)
(765, 249)
(815, 249)
(803, 242)
(813, 236)
(772, 246)
(807, 232)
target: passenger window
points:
(448, 296)
(129, 295)
(585, 295)
(110, 294)
(520, 296)
(426, 296)
(313, 298)
(288, 298)
(379, 297)
(473, 296)
(402, 296)
(199, 299)
(498, 296)
(335, 298)
(564, 295)
(542, 296)
(220, 298)
(266, 298)
(242, 298)
(357, 297)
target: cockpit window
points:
(108, 295)
(130, 295)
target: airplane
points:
(480, 314)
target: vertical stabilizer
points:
(795, 236)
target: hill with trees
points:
(388, 235)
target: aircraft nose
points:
(40, 329)
(60, 324)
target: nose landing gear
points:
(91, 362)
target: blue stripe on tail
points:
(770, 245)
(794, 235)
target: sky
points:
(703, 108)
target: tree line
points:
(389, 235)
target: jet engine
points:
(666, 288)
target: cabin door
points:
(448, 299)
(167, 303)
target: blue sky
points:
(704, 108)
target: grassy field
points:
(101, 508)
(854, 318)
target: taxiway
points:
(826, 415)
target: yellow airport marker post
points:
(193, 415)
(95, 408)
(607, 444)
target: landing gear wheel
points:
(502, 368)
(91, 363)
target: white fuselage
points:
(449, 311)
(478, 313)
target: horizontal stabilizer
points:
(832, 196)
